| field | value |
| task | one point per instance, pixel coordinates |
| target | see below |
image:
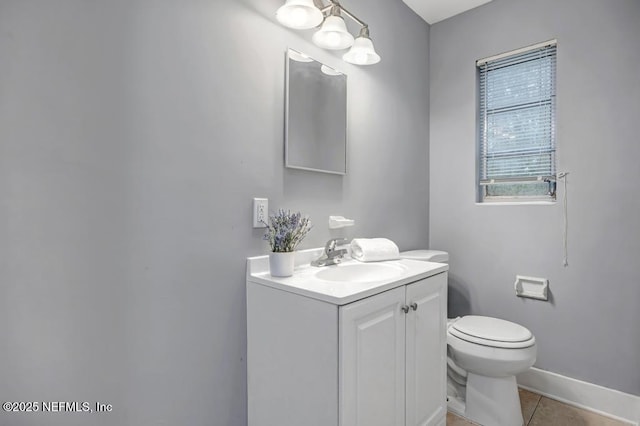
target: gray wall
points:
(589, 328)
(133, 136)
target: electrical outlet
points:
(260, 212)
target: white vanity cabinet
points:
(375, 361)
(392, 363)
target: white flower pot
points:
(281, 264)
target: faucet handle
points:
(332, 243)
(331, 256)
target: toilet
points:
(484, 355)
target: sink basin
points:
(360, 272)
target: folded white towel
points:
(374, 249)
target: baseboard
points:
(608, 402)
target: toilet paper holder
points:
(532, 287)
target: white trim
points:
(517, 51)
(516, 203)
(607, 402)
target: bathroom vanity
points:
(349, 344)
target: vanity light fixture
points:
(333, 34)
(299, 14)
(362, 51)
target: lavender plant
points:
(286, 230)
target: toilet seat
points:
(492, 332)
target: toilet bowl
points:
(492, 352)
(484, 355)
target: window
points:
(517, 149)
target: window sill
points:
(517, 203)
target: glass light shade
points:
(362, 52)
(299, 14)
(333, 35)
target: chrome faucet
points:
(331, 256)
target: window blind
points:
(517, 116)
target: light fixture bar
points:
(346, 12)
(333, 33)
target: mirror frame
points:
(287, 121)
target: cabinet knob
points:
(405, 309)
(414, 306)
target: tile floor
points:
(542, 411)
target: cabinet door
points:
(372, 361)
(426, 352)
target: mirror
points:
(316, 116)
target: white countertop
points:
(306, 282)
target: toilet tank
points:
(426, 255)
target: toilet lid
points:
(492, 332)
(426, 255)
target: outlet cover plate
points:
(260, 212)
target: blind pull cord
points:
(565, 262)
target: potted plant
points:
(285, 231)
